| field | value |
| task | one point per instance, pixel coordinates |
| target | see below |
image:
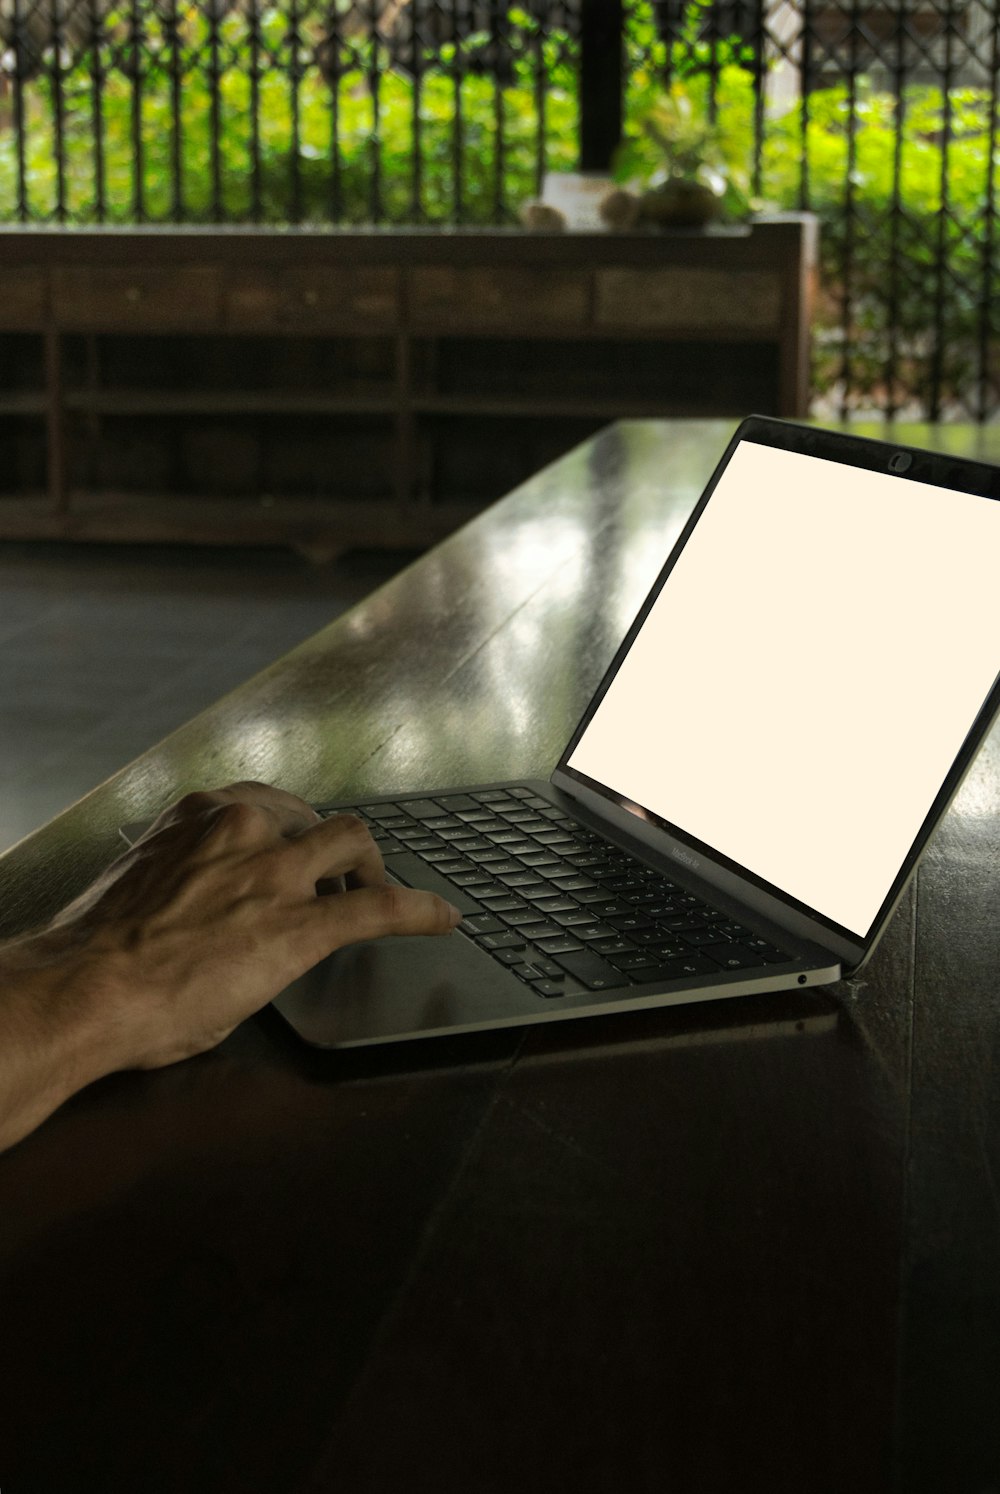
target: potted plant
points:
(676, 163)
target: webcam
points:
(900, 461)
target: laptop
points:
(750, 788)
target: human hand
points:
(228, 897)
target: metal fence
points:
(880, 115)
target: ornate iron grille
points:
(880, 115)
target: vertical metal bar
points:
(498, 112)
(941, 237)
(759, 95)
(896, 216)
(97, 109)
(601, 32)
(983, 410)
(215, 109)
(138, 159)
(19, 122)
(176, 116)
(58, 109)
(333, 78)
(805, 88)
(714, 37)
(253, 35)
(295, 207)
(457, 127)
(375, 145)
(541, 106)
(846, 320)
(416, 135)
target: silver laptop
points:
(751, 785)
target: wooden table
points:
(754, 1246)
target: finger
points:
(375, 912)
(341, 846)
(282, 814)
(291, 814)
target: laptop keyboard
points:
(553, 900)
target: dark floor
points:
(105, 649)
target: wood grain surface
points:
(754, 1246)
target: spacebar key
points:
(409, 868)
(593, 972)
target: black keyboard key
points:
(695, 937)
(380, 811)
(556, 902)
(590, 970)
(560, 945)
(592, 931)
(515, 958)
(651, 935)
(520, 918)
(421, 809)
(549, 988)
(612, 946)
(387, 845)
(504, 902)
(553, 837)
(523, 879)
(769, 953)
(731, 956)
(572, 883)
(573, 918)
(540, 932)
(634, 960)
(409, 869)
(547, 967)
(481, 923)
(454, 803)
(507, 940)
(627, 923)
(471, 879)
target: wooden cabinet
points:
(327, 388)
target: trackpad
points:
(391, 989)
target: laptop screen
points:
(802, 684)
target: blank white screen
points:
(806, 677)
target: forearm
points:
(50, 1042)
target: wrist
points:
(53, 1041)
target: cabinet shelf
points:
(338, 387)
(230, 402)
(29, 403)
(555, 409)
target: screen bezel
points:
(932, 468)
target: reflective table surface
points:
(743, 1246)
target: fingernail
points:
(456, 916)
